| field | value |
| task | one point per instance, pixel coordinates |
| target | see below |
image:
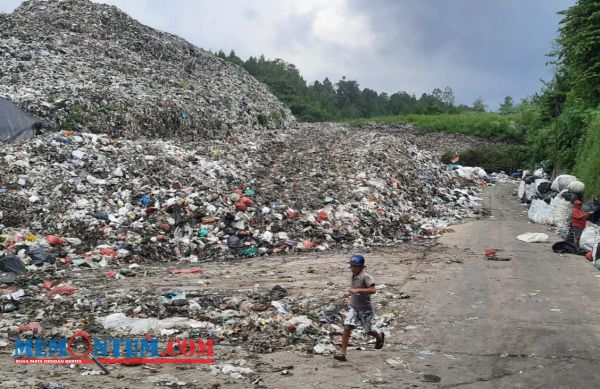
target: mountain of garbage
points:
(78, 210)
(311, 188)
(90, 67)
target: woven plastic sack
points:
(590, 237)
(521, 190)
(560, 212)
(539, 212)
(576, 187)
(562, 182)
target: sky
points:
(485, 49)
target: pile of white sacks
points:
(557, 211)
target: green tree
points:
(324, 94)
(369, 104)
(348, 97)
(344, 100)
(479, 105)
(401, 103)
(234, 58)
(579, 49)
(507, 106)
(438, 94)
(448, 96)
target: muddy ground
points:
(529, 322)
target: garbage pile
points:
(90, 67)
(91, 226)
(313, 188)
(429, 140)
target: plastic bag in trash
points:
(234, 243)
(138, 326)
(12, 264)
(39, 255)
(299, 324)
(542, 186)
(62, 290)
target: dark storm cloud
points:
(482, 48)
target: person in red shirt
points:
(579, 218)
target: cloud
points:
(339, 26)
(487, 49)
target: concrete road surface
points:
(531, 322)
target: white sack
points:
(521, 190)
(480, 173)
(527, 189)
(531, 191)
(539, 212)
(539, 173)
(576, 187)
(533, 237)
(562, 182)
(590, 237)
(560, 211)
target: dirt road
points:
(530, 322)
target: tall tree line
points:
(325, 100)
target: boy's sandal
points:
(340, 357)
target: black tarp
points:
(567, 248)
(16, 124)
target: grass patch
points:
(262, 118)
(491, 126)
(71, 121)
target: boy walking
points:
(361, 310)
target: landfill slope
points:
(316, 187)
(91, 67)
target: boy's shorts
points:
(364, 317)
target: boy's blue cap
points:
(357, 260)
